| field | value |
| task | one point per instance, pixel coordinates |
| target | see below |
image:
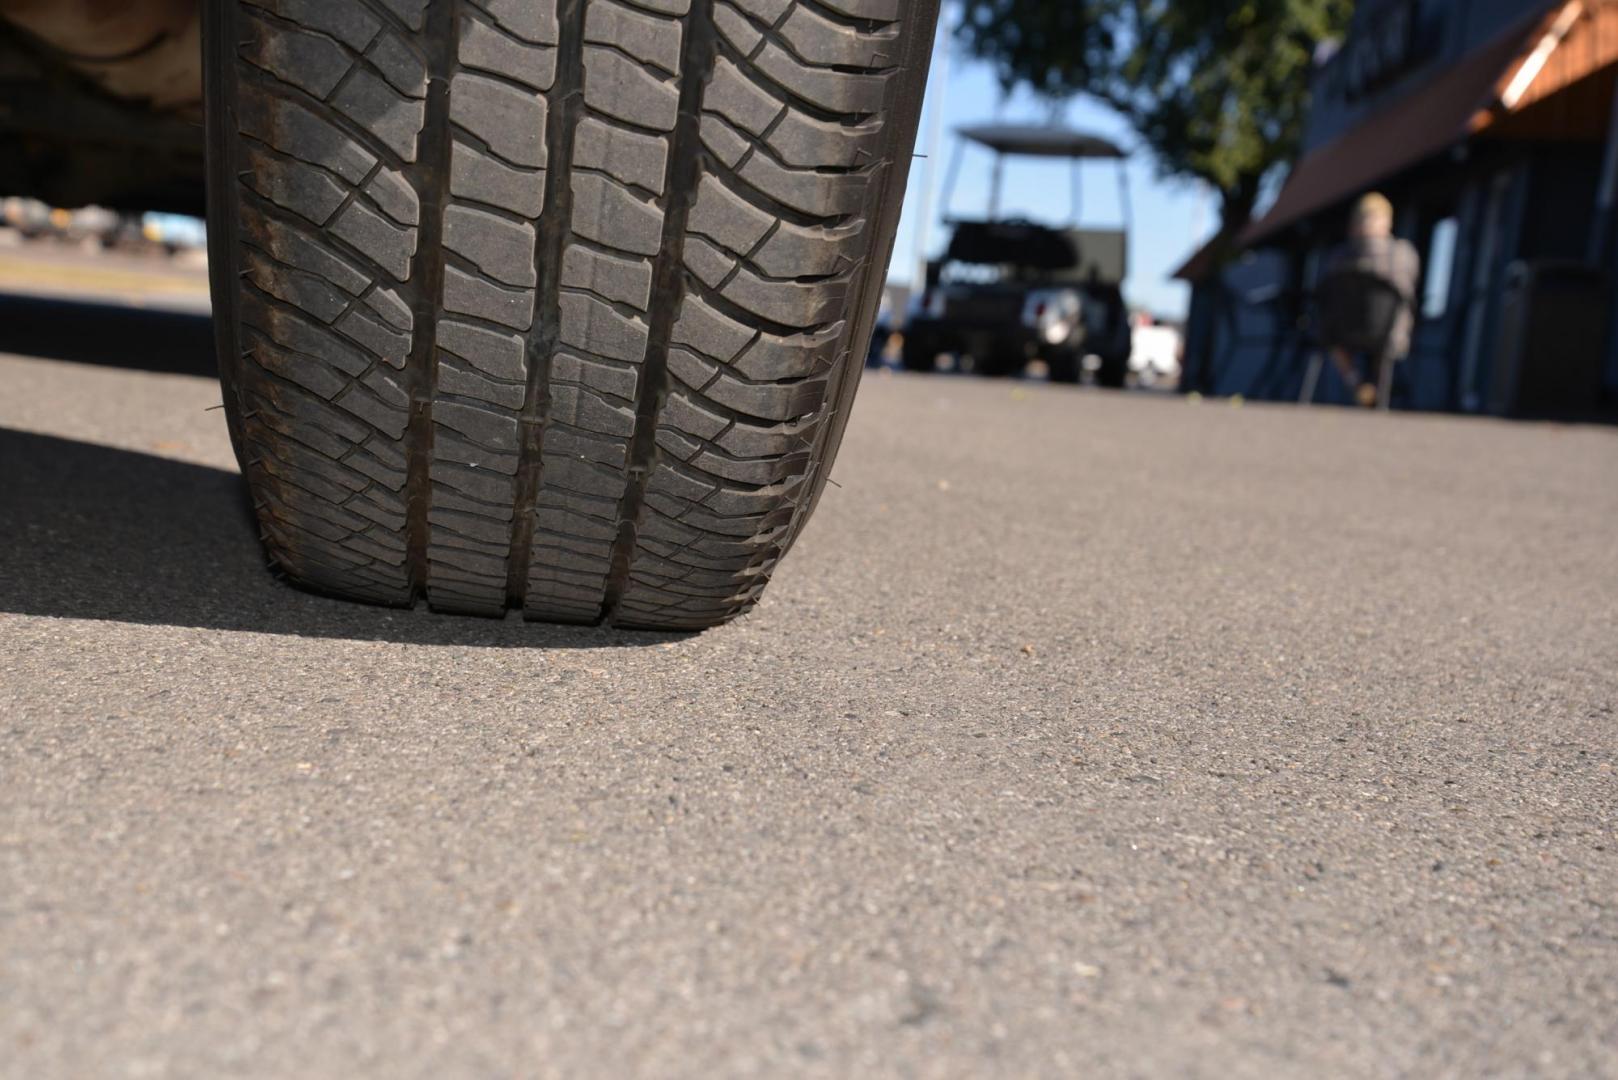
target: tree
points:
(1218, 90)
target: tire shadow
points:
(116, 335)
(91, 532)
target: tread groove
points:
(699, 51)
(427, 274)
(551, 240)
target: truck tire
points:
(919, 353)
(550, 305)
(1114, 370)
(1066, 366)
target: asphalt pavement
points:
(1083, 734)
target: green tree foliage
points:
(1217, 89)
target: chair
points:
(1356, 311)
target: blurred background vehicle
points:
(174, 232)
(1154, 352)
(31, 218)
(1009, 291)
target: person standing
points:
(1373, 249)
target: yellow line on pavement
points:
(20, 274)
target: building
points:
(1490, 125)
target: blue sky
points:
(1171, 216)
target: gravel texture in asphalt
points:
(1083, 734)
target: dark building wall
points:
(1490, 204)
(1562, 177)
(1369, 72)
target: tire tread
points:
(548, 304)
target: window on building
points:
(1439, 269)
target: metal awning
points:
(1557, 45)
(1032, 140)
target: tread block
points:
(312, 62)
(287, 327)
(592, 326)
(460, 379)
(306, 371)
(488, 427)
(290, 127)
(394, 196)
(706, 331)
(487, 49)
(816, 39)
(610, 214)
(390, 246)
(398, 64)
(380, 109)
(682, 413)
(476, 175)
(728, 219)
(883, 10)
(387, 304)
(447, 446)
(801, 251)
(349, 23)
(771, 357)
(494, 352)
(310, 292)
(616, 379)
(630, 157)
(510, 122)
(373, 410)
(311, 193)
(390, 345)
(617, 86)
(835, 91)
(740, 100)
(790, 303)
(646, 37)
(410, 12)
(474, 294)
(500, 247)
(585, 409)
(801, 141)
(533, 21)
(297, 248)
(567, 442)
(757, 441)
(476, 484)
(627, 281)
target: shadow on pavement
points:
(96, 332)
(90, 532)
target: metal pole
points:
(994, 186)
(1077, 201)
(1128, 207)
(952, 175)
(1124, 201)
(935, 128)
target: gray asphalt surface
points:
(1082, 735)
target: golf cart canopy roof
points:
(1031, 140)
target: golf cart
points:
(1007, 291)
